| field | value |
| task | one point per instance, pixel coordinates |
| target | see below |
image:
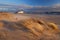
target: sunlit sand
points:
(27, 27)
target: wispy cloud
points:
(56, 5)
(25, 6)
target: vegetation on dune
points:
(28, 29)
(39, 26)
(1, 25)
(53, 26)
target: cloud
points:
(30, 6)
(25, 6)
(56, 5)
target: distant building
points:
(20, 12)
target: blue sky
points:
(31, 2)
(45, 5)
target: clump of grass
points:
(53, 26)
(38, 26)
(3, 35)
(33, 26)
(1, 25)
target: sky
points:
(31, 2)
(44, 5)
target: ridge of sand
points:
(21, 27)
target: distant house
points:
(20, 12)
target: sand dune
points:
(22, 27)
(12, 17)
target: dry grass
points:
(53, 26)
(39, 26)
(32, 25)
(27, 29)
(1, 25)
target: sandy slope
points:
(12, 17)
(14, 27)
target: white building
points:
(20, 12)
